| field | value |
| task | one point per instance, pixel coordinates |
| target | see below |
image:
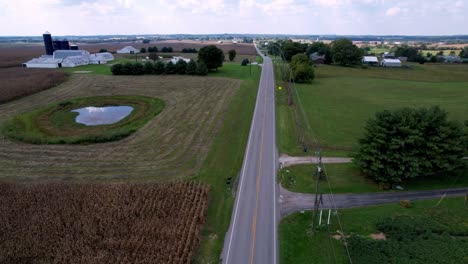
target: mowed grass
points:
(102, 69)
(347, 178)
(172, 145)
(340, 100)
(225, 160)
(297, 246)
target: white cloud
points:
(393, 11)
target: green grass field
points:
(297, 246)
(346, 178)
(102, 69)
(225, 159)
(340, 100)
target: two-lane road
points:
(252, 236)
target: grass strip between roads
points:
(225, 160)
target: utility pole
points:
(318, 200)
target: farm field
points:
(173, 145)
(101, 223)
(297, 246)
(340, 100)
(346, 178)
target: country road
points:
(252, 235)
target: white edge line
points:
(243, 169)
(274, 175)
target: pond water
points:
(94, 116)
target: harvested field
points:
(14, 55)
(18, 82)
(100, 223)
(172, 145)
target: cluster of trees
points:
(189, 50)
(153, 49)
(412, 53)
(159, 67)
(167, 49)
(232, 54)
(464, 52)
(408, 143)
(341, 51)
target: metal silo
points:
(73, 47)
(57, 45)
(49, 46)
(65, 45)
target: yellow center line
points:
(254, 221)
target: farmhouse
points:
(391, 63)
(370, 60)
(128, 50)
(317, 59)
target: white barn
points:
(75, 61)
(45, 61)
(128, 50)
(370, 60)
(68, 59)
(391, 63)
(101, 58)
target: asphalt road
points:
(293, 202)
(252, 236)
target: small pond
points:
(94, 116)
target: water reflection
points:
(94, 116)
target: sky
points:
(340, 17)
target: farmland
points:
(340, 100)
(173, 145)
(100, 223)
(450, 216)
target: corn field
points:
(100, 223)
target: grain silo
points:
(49, 46)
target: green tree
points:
(148, 67)
(170, 68)
(191, 68)
(138, 69)
(245, 62)
(181, 67)
(464, 52)
(211, 56)
(202, 70)
(159, 67)
(232, 54)
(103, 50)
(301, 66)
(411, 53)
(345, 53)
(116, 69)
(408, 143)
(142, 50)
(322, 49)
(290, 49)
(127, 68)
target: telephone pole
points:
(318, 199)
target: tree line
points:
(159, 67)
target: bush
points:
(170, 68)
(408, 143)
(117, 69)
(189, 50)
(142, 50)
(202, 70)
(245, 62)
(159, 67)
(148, 68)
(166, 49)
(181, 67)
(191, 68)
(302, 69)
(232, 54)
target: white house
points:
(393, 63)
(370, 60)
(128, 50)
(175, 59)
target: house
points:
(388, 55)
(175, 59)
(101, 58)
(403, 59)
(317, 59)
(370, 60)
(450, 59)
(128, 50)
(391, 63)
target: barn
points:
(45, 61)
(391, 63)
(128, 50)
(370, 60)
(101, 58)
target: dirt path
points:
(286, 161)
(292, 202)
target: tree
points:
(127, 68)
(159, 67)
(170, 68)
(211, 56)
(202, 69)
(153, 49)
(146, 41)
(232, 54)
(408, 143)
(103, 50)
(345, 53)
(142, 50)
(181, 67)
(411, 53)
(191, 68)
(464, 52)
(302, 69)
(322, 49)
(116, 69)
(245, 62)
(290, 49)
(148, 67)
(166, 49)
(138, 69)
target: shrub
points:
(117, 69)
(202, 70)
(148, 68)
(245, 62)
(170, 68)
(181, 67)
(191, 68)
(159, 67)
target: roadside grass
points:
(225, 160)
(347, 178)
(55, 124)
(340, 100)
(101, 69)
(259, 59)
(297, 246)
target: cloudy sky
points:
(357, 17)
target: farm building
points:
(317, 59)
(45, 61)
(128, 50)
(75, 61)
(101, 58)
(388, 55)
(175, 59)
(450, 59)
(370, 60)
(391, 63)
(62, 54)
